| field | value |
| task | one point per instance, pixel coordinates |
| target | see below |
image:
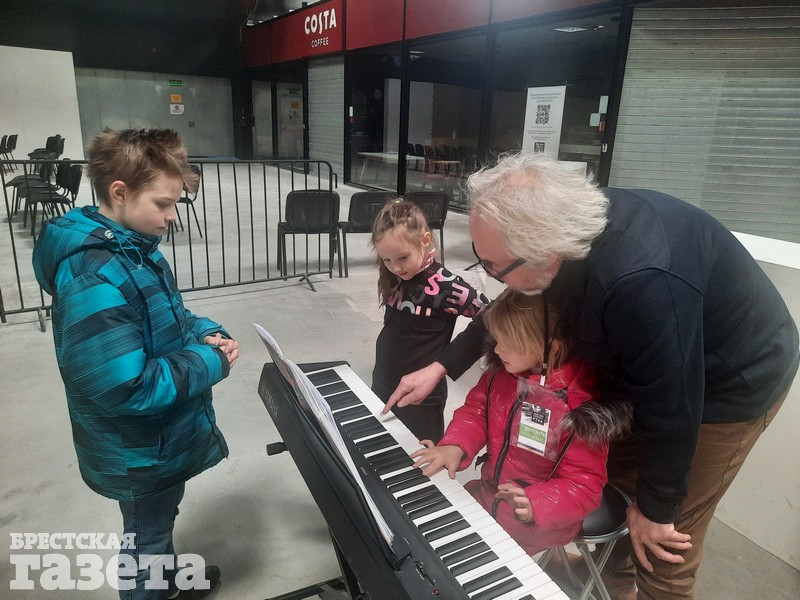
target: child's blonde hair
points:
(397, 213)
(517, 320)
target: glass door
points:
(374, 118)
(445, 95)
(262, 127)
(290, 120)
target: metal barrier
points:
(226, 236)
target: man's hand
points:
(437, 458)
(655, 537)
(416, 386)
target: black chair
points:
(53, 148)
(430, 157)
(52, 202)
(364, 207)
(40, 179)
(188, 200)
(4, 151)
(434, 205)
(11, 145)
(411, 152)
(310, 212)
(605, 525)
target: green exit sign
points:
(175, 82)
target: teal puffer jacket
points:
(137, 375)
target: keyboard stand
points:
(340, 588)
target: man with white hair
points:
(661, 295)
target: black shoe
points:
(212, 574)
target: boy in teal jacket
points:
(137, 366)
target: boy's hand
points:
(513, 494)
(229, 347)
(437, 458)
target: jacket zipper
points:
(501, 457)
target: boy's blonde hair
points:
(517, 320)
(397, 213)
(137, 157)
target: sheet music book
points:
(313, 402)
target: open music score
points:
(313, 401)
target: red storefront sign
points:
(424, 17)
(374, 22)
(311, 32)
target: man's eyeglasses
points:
(499, 276)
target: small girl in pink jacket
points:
(546, 436)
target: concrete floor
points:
(253, 514)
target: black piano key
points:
(464, 554)
(436, 534)
(333, 388)
(433, 496)
(419, 479)
(405, 498)
(402, 477)
(527, 597)
(429, 509)
(378, 442)
(340, 401)
(356, 430)
(393, 465)
(323, 377)
(473, 563)
(498, 590)
(348, 414)
(467, 540)
(488, 579)
(439, 522)
(387, 456)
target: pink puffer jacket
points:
(575, 488)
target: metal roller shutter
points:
(710, 113)
(326, 112)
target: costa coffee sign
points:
(310, 32)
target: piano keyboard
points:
(482, 557)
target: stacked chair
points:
(54, 199)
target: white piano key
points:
(530, 576)
(498, 563)
(548, 591)
(529, 585)
(489, 534)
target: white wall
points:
(39, 99)
(133, 99)
(763, 504)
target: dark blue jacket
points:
(669, 300)
(137, 375)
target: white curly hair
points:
(542, 208)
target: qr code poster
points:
(544, 113)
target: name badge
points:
(533, 427)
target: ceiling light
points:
(569, 29)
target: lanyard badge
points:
(539, 420)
